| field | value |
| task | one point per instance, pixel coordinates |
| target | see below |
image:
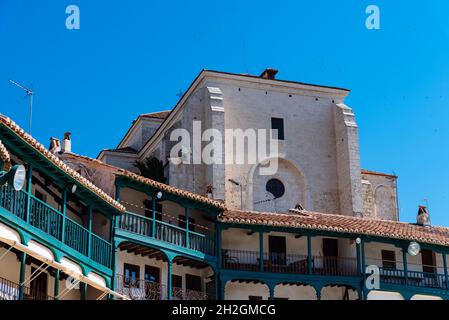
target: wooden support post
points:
(404, 262)
(362, 247)
(29, 192)
(169, 280)
(309, 254)
(219, 251)
(446, 277)
(187, 211)
(83, 289)
(56, 288)
(153, 216)
(89, 240)
(261, 254)
(359, 267)
(271, 289)
(64, 213)
(22, 275)
(216, 285)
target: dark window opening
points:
(149, 210)
(277, 249)
(193, 282)
(388, 259)
(277, 124)
(275, 187)
(254, 298)
(176, 281)
(131, 274)
(182, 222)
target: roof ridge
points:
(39, 147)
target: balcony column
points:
(56, 288)
(446, 277)
(404, 262)
(169, 279)
(261, 255)
(216, 280)
(271, 290)
(219, 251)
(83, 290)
(362, 252)
(309, 254)
(29, 192)
(22, 274)
(187, 212)
(359, 267)
(64, 213)
(153, 216)
(89, 240)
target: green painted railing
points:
(51, 221)
(166, 232)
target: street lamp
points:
(14, 177)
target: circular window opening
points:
(275, 187)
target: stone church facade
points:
(319, 157)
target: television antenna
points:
(29, 93)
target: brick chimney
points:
(55, 145)
(66, 143)
(423, 217)
(269, 73)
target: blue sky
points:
(132, 57)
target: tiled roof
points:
(19, 132)
(173, 190)
(4, 154)
(340, 223)
(376, 173)
(158, 185)
(157, 115)
(123, 150)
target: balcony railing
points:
(139, 289)
(288, 263)
(10, 291)
(166, 232)
(51, 221)
(392, 272)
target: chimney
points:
(55, 145)
(423, 217)
(269, 73)
(66, 143)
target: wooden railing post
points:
(359, 267)
(29, 192)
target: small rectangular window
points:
(388, 259)
(254, 298)
(182, 222)
(193, 282)
(176, 281)
(277, 124)
(131, 274)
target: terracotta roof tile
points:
(4, 154)
(155, 184)
(19, 132)
(342, 224)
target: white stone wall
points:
(380, 197)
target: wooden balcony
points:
(49, 220)
(10, 291)
(165, 232)
(139, 289)
(288, 263)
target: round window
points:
(275, 187)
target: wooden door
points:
(277, 249)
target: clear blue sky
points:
(132, 57)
